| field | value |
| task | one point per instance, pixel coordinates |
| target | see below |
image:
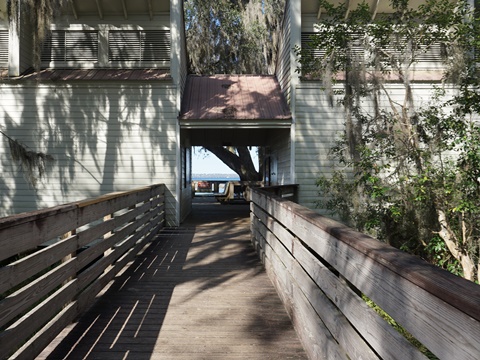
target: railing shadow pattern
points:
(128, 317)
(54, 262)
(197, 292)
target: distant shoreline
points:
(216, 177)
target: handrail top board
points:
(460, 293)
(22, 218)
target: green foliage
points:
(399, 166)
(225, 36)
(441, 256)
(399, 328)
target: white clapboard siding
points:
(318, 125)
(279, 144)
(283, 70)
(103, 136)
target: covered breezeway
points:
(238, 110)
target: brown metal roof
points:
(96, 74)
(245, 97)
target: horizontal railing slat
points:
(385, 340)
(47, 334)
(370, 325)
(103, 235)
(13, 336)
(317, 341)
(108, 204)
(23, 299)
(334, 320)
(26, 236)
(94, 251)
(15, 273)
(411, 291)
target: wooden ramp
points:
(197, 292)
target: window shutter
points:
(356, 46)
(146, 46)
(156, 45)
(315, 52)
(124, 46)
(71, 46)
(4, 47)
(432, 55)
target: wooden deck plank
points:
(197, 292)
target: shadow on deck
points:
(196, 292)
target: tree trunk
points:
(446, 233)
(242, 163)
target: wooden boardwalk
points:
(197, 292)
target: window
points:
(146, 46)
(314, 52)
(425, 58)
(4, 48)
(71, 46)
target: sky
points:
(207, 163)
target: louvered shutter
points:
(3, 48)
(81, 46)
(156, 45)
(71, 46)
(425, 59)
(315, 52)
(357, 49)
(124, 46)
(431, 56)
(140, 47)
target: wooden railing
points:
(326, 273)
(54, 262)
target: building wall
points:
(283, 69)
(186, 182)
(279, 149)
(25, 45)
(319, 125)
(104, 137)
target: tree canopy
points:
(233, 36)
(406, 172)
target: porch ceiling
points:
(234, 102)
(124, 8)
(233, 137)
